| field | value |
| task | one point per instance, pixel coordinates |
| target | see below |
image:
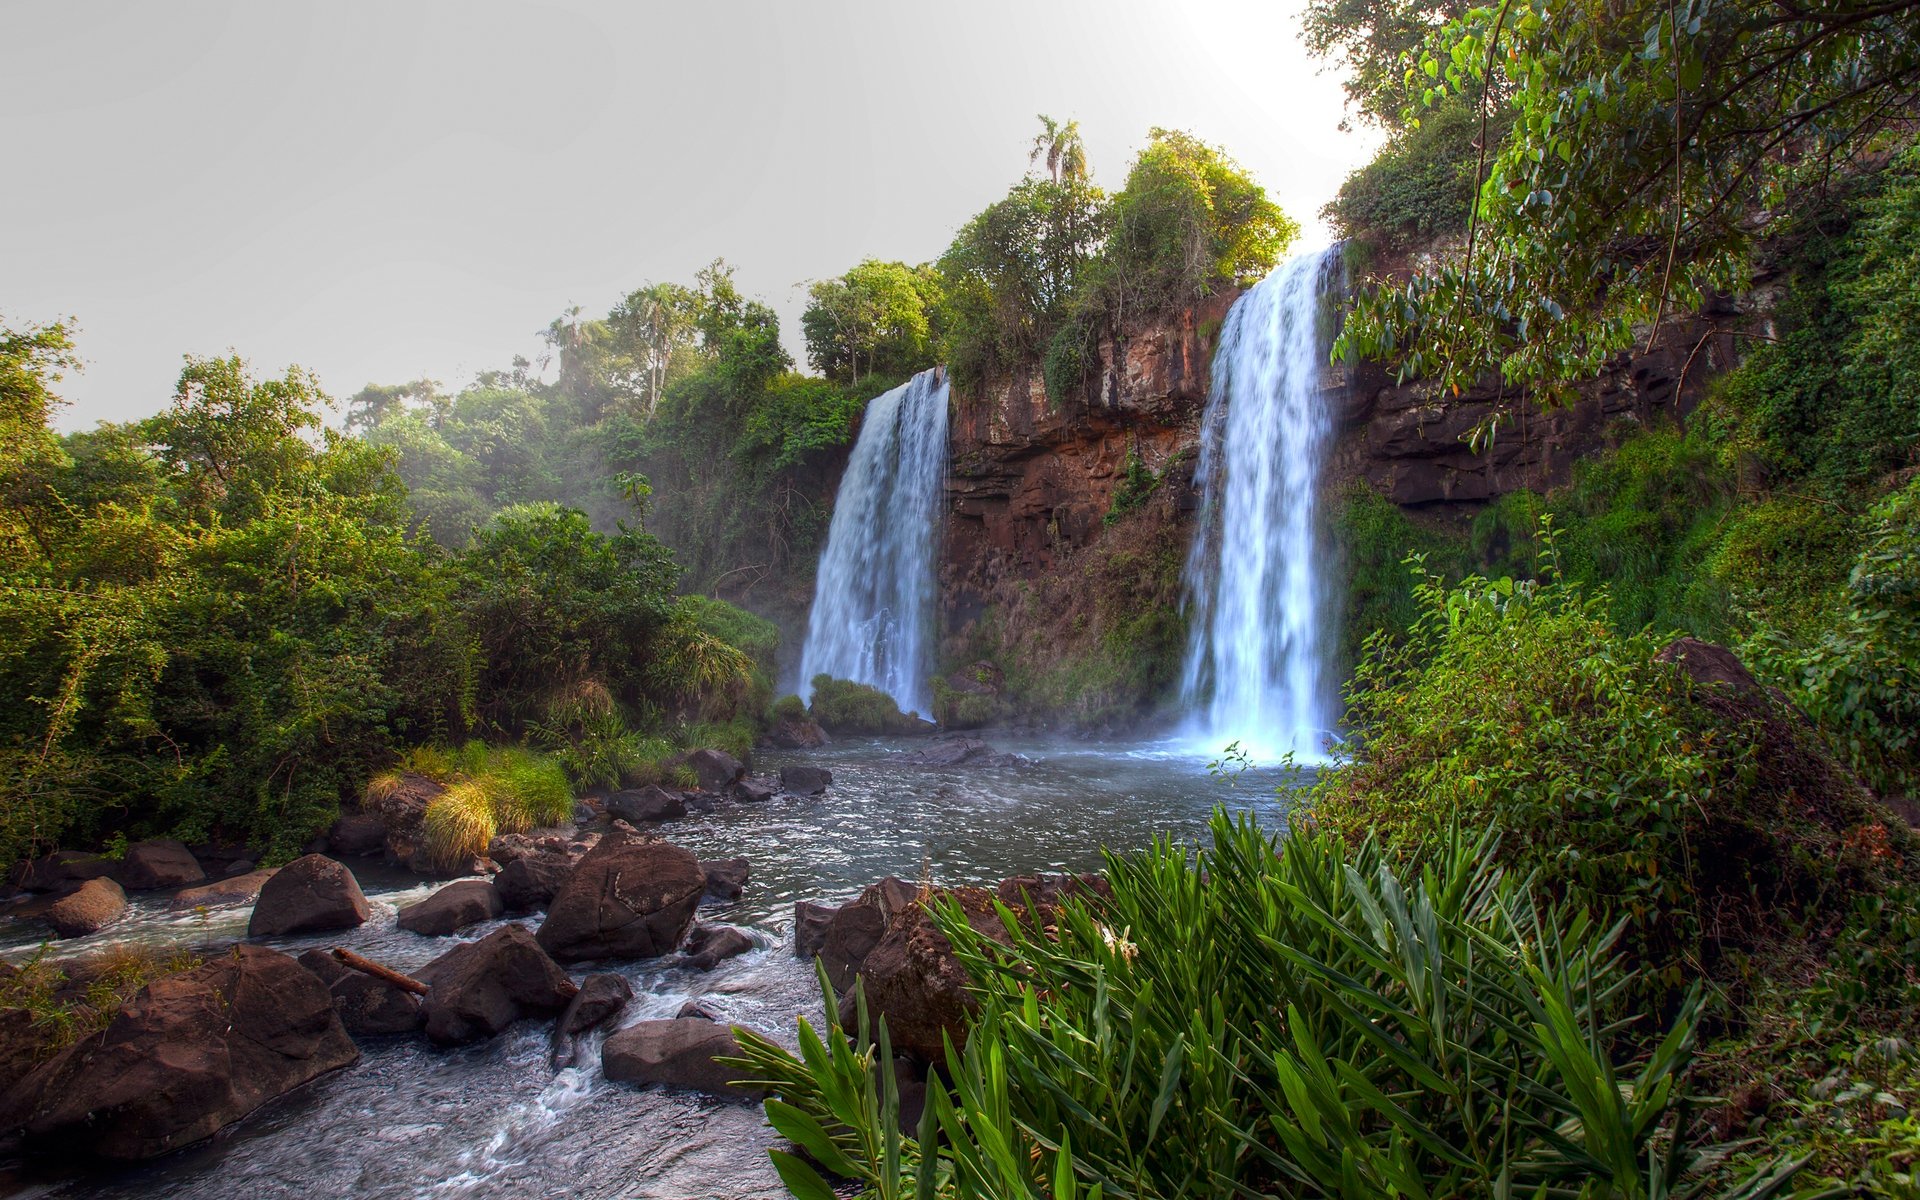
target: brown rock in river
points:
(308, 895)
(191, 1054)
(630, 897)
(87, 909)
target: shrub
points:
(1376, 538)
(1293, 1020)
(842, 706)
(736, 737)
(956, 709)
(788, 708)
(1419, 186)
(490, 790)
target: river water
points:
(496, 1120)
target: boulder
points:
(23, 1040)
(240, 889)
(478, 989)
(856, 928)
(368, 1007)
(528, 883)
(810, 921)
(643, 804)
(60, 871)
(507, 847)
(697, 1008)
(308, 895)
(715, 769)
(358, 835)
(87, 909)
(726, 877)
(914, 979)
(677, 1053)
(709, 945)
(805, 781)
(241, 866)
(453, 908)
(630, 897)
(796, 733)
(601, 998)
(190, 1054)
(400, 803)
(752, 791)
(961, 751)
(159, 864)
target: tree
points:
(1652, 143)
(1060, 146)
(1372, 38)
(653, 324)
(876, 316)
(374, 404)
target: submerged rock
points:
(87, 909)
(159, 864)
(368, 1007)
(805, 781)
(478, 989)
(308, 895)
(240, 889)
(643, 804)
(452, 908)
(960, 751)
(726, 877)
(752, 791)
(677, 1053)
(601, 998)
(189, 1055)
(630, 897)
(709, 945)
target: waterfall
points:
(872, 618)
(1257, 659)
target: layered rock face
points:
(1029, 480)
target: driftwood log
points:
(367, 966)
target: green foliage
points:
(1858, 673)
(1418, 188)
(954, 708)
(788, 708)
(73, 1000)
(1376, 538)
(1521, 708)
(1371, 39)
(1291, 1019)
(1647, 147)
(1137, 485)
(736, 737)
(489, 790)
(880, 318)
(844, 707)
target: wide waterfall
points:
(1257, 662)
(872, 619)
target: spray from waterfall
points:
(1256, 579)
(872, 618)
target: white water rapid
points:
(1257, 660)
(872, 618)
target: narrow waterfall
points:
(1257, 662)
(872, 618)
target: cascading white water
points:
(1256, 670)
(872, 619)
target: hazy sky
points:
(382, 191)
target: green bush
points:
(843, 706)
(1376, 538)
(955, 709)
(490, 790)
(1291, 1020)
(1420, 185)
(787, 708)
(736, 737)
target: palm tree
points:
(1059, 143)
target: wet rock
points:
(60, 871)
(358, 835)
(709, 945)
(650, 803)
(805, 781)
(478, 989)
(961, 751)
(913, 978)
(368, 1007)
(678, 1053)
(810, 921)
(308, 895)
(715, 769)
(601, 998)
(402, 811)
(752, 791)
(529, 882)
(697, 1008)
(796, 733)
(191, 1054)
(856, 928)
(87, 909)
(726, 877)
(241, 889)
(23, 1042)
(452, 908)
(158, 864)
(630, 897)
